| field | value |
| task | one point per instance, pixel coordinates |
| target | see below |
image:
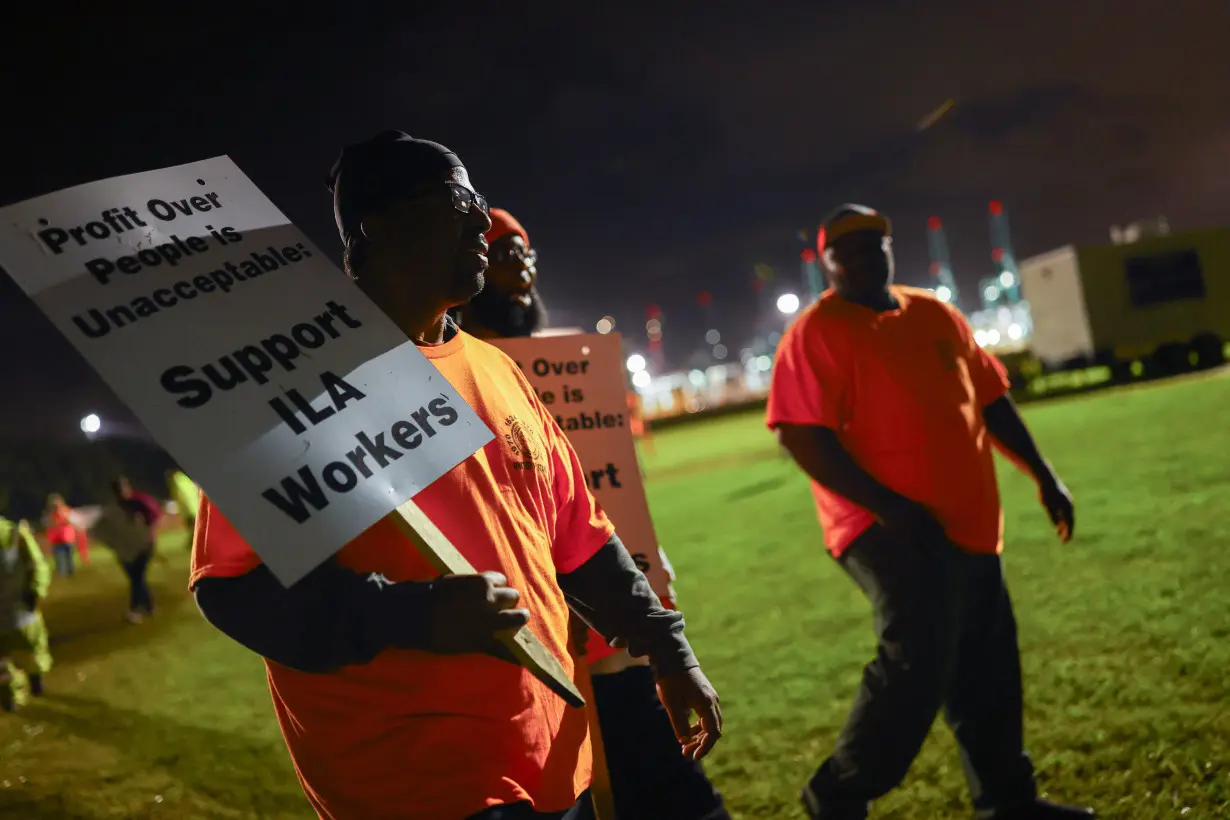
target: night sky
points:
(651, 151)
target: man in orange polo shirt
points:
(649, 778)
(883, 398)
(394, 696)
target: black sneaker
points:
(36, 685)
(816, 811)
(1046, 810)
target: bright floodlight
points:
(943, 293)
(1007, 279)
(91, 424)
(1015, 331)
(788, 303)
(636, 363)
(641, 379)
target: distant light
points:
(636, 363)
(91, 424)
(653, 312)
(653, 327)
(997, 254)
(788, 303)
(809, 256)
(1007, 279)
(992, 336)
(943, 293)
(764, 362)
(719, 351)
(774, 337)
(980, 336)
(697, 378)
(713, 337)
(991, 293)
(641, 379)
(934, 223)
(996, 207)
(605, 325)
(1015, 331)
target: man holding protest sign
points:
(649, 778)
(394, 695)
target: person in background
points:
(884, 399)
(642, 430)
(649, 778)
(128, 526)
(395, 697)
(25, 656)
(509, 304)
(61, 534)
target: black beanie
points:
(373, 174)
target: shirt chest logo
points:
(525, 445)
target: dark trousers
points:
(64, 558)
(524, 811)
(946, 641)
(650, 777)
(139, 598)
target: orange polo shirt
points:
(904, 390)
(420, 736)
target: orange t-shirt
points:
(904, 390)
(440, 737)
(61, 529)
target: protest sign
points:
(580, 378)
(301, 409)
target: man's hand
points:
(1058, 504)
(690, 691)
(467, 613)
(911, 521)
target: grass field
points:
(1125, 635)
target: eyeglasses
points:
(464, 199)
(507, 253)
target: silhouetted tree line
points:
(82, 472)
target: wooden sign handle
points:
(413, 523)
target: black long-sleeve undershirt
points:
(336, 617)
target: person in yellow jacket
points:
(187, 497)
(25, 577)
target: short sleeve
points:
(808, 387)
(218, 550)
(987, 374)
